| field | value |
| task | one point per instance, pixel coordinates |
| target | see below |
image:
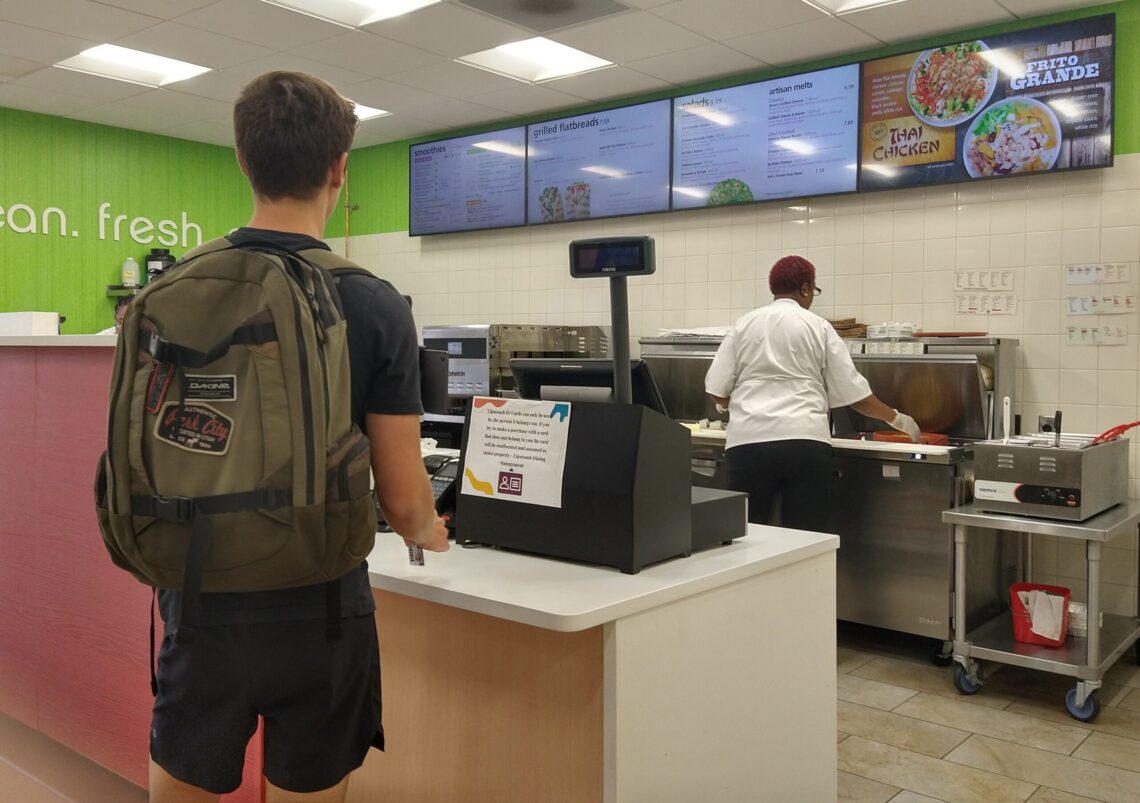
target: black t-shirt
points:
(383, 355)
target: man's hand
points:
(434, 539)
(904, 423)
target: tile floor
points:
(905, 736)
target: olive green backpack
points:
(232, 461)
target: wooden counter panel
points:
(484, 710)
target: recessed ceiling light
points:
(352, 13)
(367, 112)
(534, 60)
(838, 7)
(133, 66)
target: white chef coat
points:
(784, 367)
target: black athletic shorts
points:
(320, 700)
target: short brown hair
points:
(789, 274)
(289, 128)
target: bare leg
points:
(165, 788)
(334, 794)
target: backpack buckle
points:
(177, 509)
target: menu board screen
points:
(785, 138)
(602, 164)
(1012, 104)
(474, 182)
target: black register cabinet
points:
(625, 494)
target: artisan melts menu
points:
(1013, 104)
(474, 182)
(603, 164)
(785, 138)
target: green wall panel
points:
(53, 163)
(380, 173)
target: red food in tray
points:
(931, 438)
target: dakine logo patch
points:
(195, 428)
(211, 388)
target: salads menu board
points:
(596, 165)
(475, 182)
(1017, 103)
(784, 138)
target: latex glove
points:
(904, 423)
(720, 408)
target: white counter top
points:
(70, 341)
(568, 597)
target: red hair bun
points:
(789, 274)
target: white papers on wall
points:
(985, 303)
(1098, 303)
(983, 280)
(1108, 273)
(1115, 304)
(1096, 335)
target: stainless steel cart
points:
(1086, 659)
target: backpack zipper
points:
(306, 395)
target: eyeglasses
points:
(817, 290)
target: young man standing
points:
(267, 653)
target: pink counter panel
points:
(73, 628)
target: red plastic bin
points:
(1021, 629)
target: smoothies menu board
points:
(607, 163)
(475, 182)
(784, 138)
(1012, 104)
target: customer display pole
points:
(615, 258)
(619, 320)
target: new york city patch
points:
(194, 427)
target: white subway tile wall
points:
(880, 256)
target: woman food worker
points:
(779, 370)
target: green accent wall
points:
(52, 163)
(379, 175)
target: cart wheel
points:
(964, 683)
(1086, 712)
(939, 655)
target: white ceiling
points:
(405, 65)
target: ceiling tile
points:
(454, 80)
(808, 40)
(80, 18)
(367, 53)
(36, 45)
(688, 66)
(180, 105)
(202, 131)
(193, 45)
(337, 76)
(120, 116)
(1034, 8)
(451, 113)
(42, 100)
(90, 87)
(646, 3)
(526, 99)
(397, 98)
(13, 67)
(611, 82)
(922, 19)
(390, 129)
(449, 30)
(543, 16)
(261, 23)
(216, 84)
(164, 9)
(723, 19)
(629, 37)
